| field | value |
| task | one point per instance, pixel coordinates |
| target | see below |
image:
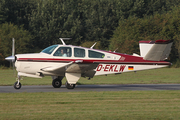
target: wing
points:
(85, 68)
(55, 68)
(76, 70)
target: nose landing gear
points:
(17, 85)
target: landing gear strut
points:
(70, 86)
(17, 85)
(57, 82)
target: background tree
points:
(18, 11)
(3, 10)
(131, 31)
(54, 19)
(21, 36)
(101, 19)
(111, 23)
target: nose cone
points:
(10, 58)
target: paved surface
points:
(48, 88)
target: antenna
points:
(115, 50)
(93, 45)
(62, 40)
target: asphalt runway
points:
(79, 88)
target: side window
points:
(79, 52)
(63, 52)
(94, 54)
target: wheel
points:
(16, 86)
(70, 86)
(56, 83)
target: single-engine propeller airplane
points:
(73, 62)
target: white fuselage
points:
(110, 63)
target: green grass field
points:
(118, 105)
(122, 105)
(155, 76)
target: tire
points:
(17, 86)
(56, 83)
(70, 86)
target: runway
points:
(80, 88)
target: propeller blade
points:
(12, 58)
(13, 54)
(13, 47)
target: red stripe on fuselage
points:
(126, 61)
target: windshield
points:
(49, 49)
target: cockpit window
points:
(79, 52)
(49, 49)
(63, 52)
(94, 54)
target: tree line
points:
(37, 24)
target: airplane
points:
(73, 62)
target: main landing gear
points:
(57, 82)
(70, 86)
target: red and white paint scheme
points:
(73, 62)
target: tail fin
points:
(155, 50)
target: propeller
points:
(12, 58)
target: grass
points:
(127, 105)
(155, 76)
(124, 105)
